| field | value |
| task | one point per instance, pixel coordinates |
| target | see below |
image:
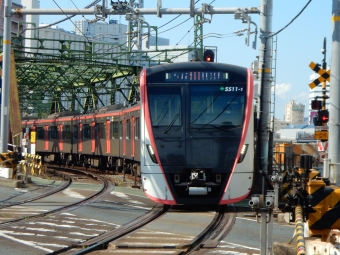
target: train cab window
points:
(137, 128)
(67, 132)
(128, 129)
(86, 131)
(75, 131)
(115, 129)
(53, 132)
(165, 106)
(40, 133)
(216, 106)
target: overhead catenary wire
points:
(290, 21)
(60, 21)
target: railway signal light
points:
(323, 117)
(208, 56)
(316, 105)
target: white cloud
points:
(282, 89)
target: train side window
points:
(75, 131)
(128, 129)
(115, 129)
(67, 130)
(137, 128)
(40, 133)
(86, 131)
(54, 132)
(101, 130)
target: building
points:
(294, 113)
(279, 124)
(303, 133)
(17, 20)
(103, 31)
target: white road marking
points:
(42, 229)
(21, 190)
(119, 194)
(72, 193)
(82, 234)
(32, 244)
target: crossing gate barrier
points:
(325, 201)
(10, 160)
(32, 164)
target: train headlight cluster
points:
(243, 152)
(151, 153)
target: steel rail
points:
(61, 187)
(214, 233)
(105, 189)
(103, 240)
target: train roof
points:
(196, 65)
(63, 114)
(111, 108)
(27, 117)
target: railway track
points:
(161, 230)
(10, 208)
(136, 238)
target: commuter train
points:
(190, 137)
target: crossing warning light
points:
(208, 56)
(323, 117)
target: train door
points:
(136, 142)
(107, 136)
(132, 137)
(60, 137)
(123, 137)
(93, 136)
(80, 137)
(46, 137)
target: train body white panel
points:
(156, 188)
(238, 189)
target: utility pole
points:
(5, 77)
(334, 111)
(264, 78)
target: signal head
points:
(208, 56)
(323, 117)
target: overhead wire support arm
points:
(138, 11)
(159, 6)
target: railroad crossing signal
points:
(324, 75)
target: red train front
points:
(197, 133)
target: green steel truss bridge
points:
(62, 75)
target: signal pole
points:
(334, 105)
(5, 77)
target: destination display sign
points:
(196, 76)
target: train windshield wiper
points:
(171, 123)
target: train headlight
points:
(151, 153)
(243, 152)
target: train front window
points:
(216, 106)
(165, 106)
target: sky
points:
(297, 45)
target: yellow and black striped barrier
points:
(33, 164)
(300, 240)
(286, 187)
(325, 202)
(10, 160)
